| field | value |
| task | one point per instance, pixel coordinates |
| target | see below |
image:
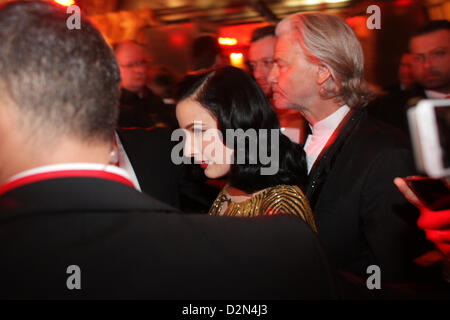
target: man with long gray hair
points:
(352, 159)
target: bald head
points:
(133, 65)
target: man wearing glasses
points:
(139, 106)
(140, 109)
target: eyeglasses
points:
(136, 64)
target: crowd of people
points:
(87, 176)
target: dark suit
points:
(129, 246)
(146, 111)
(392, 108)
(361, 216)
(149, 151)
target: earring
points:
(114, 157)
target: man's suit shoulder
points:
(376, 136)
(138, 250)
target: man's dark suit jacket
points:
(181, 186)
(392, 107)
(146, 111)
(149, 151)
(128, 245)
(361, 216)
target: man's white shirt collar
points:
(321, 132)
(431, 94)
(125, 163)
(331, 122)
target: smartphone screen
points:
(434, 193)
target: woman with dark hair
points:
(232, 130)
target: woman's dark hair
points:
(237, 102)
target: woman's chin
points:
(212, 175)
(212, 172)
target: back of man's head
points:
(262, 32)
(204, 52)
(58, 82)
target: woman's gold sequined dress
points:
(281, 199)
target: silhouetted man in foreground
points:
(72, 225)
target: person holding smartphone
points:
(436, 224)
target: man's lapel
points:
(327, 157)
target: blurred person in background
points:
(162, 81)
(260, 61)
(424, 73)
(430, 50)
(406, 78)
(144, 127)
(391, 105)
(206, 53)
(139, 106)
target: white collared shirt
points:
(321, 132)
(431, 94)
(125, 163)
(71, 166)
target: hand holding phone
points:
(433, 193)
(436, 224)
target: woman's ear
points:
(323, 74)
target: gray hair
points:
(328, 40)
